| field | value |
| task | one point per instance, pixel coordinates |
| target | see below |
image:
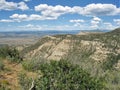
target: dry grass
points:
(10, 77)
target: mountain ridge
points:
(96, 46)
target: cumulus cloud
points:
(96, 19)
(77, 21)
(89, 10)
(52, 11)
(117, 21)
(17, 16)
(107, 23)
(24, 17)
(30, 27)
(6, 20)
(95, 22)
(109, 26)
(22, 6)
(49, 12)
(56, 11)
(35, 17)
(4, 5)
(100, 9)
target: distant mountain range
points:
(43, 33)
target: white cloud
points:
(35, 17)
(89, 10)
(22, 6)
(107, 23)
(117, 21)
(19, 18)
(109, 26)
(39, 17)
(96, 19)
(48, 12)
(4, 5)
(6, 20)
(95, 22)
(77, 24)
(27, 0)
(24, 17)
(52, 11)
(56, 11)
(47, 27)
(77, 21)
(95, 26)
(76, 9)
(30, 27)
(100, 10)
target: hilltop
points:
(116, 31)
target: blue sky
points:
(25, 15)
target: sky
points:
(36, 15)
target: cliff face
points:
(54, 49)
(95, 46)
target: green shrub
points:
(32, 65)
(1, 65)
(10, 53)
(4, 51)
(113, 80)
(111, 61)
(24, 81)
(4, 85)
(62, 75)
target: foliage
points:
(113, 80)
(4, 51)
(11, 53)
(4, 85)
(62, 75)
(1, 65)
(24, 81)
(112, 60)
(32, 65)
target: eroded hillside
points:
(92, 46)
(98, 53)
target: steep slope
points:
(116, 31)
(54, 47)
(82, 48)
(98, 53)
(95, 46)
